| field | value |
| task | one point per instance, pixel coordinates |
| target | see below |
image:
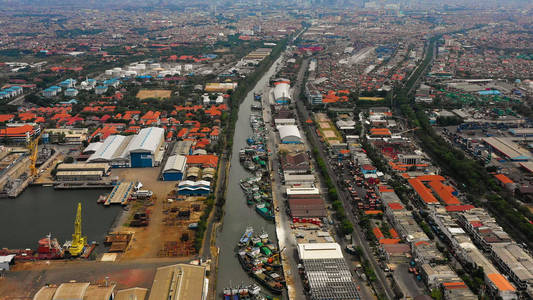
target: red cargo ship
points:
(48, 248)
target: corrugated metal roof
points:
(148, 140)
(175, 163)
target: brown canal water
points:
(238, 215)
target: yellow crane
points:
(32, 145)
(78, 241)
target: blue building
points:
(174, 168)
(144, 148)
(194, 188)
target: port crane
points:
(78, 241)
(32, 146)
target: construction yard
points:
(157, 94)
(168, 233)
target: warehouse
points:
(521, 132)
(103, 167)
(144, 148)
(289, 134)
(182, 148)
(327, 271)
(506, 148)
(179, 282)
(194, 188)
(112, 151)
(301, 180)
(76, 291)
(282, 94)
(79, 175)
(174, 168)
(302, 191)
(307, 206)
(92, 148)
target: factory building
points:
(137, 151)
(79, 175)
(112, 151)
(507, 149)
(289, 134)
(194, 188)
(102, 167)
(76, 291)
(337, 281)
(144, 148)
(180, 282)
(174, 168)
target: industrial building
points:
(306, 206)
(137, 151)
(174, 168)
(290, 134)
(112, 151)
(102, 167)
(282, 92)
(327, 272)
(144, 148)
(180, 282)
(70, 136)
(133, 293)
(194, 188)
(76, 291)
(507, 149)
(79, 175)
(301, 180)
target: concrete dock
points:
(120, 194)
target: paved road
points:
(365, 292)
(357, 236)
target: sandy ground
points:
(148, 241)
(161, 94)
(329, 134)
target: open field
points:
(159, 94)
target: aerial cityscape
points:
(260, 149)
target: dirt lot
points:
(148, 241)
(292, 148)
(159, 94)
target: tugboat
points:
(49, 248)
(260, 258)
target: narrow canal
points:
(238, 215)
(39, 211)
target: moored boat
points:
(260, 258)
(246, 235)
(264, 211)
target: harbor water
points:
(238, 215)
(39, 211)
